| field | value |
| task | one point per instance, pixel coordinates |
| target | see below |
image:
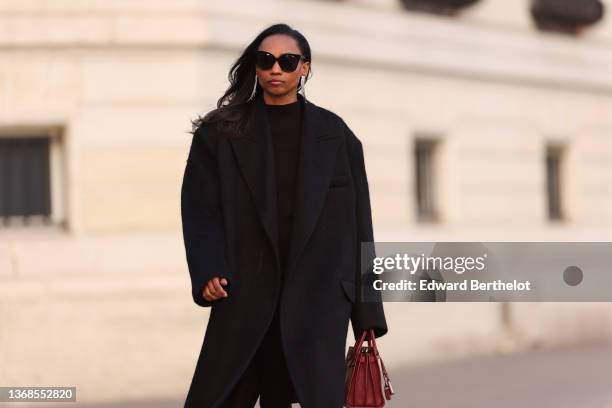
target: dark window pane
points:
(424, 173)
(25, 188)
(553, 183)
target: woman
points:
(274, 205)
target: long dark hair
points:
(233, 107)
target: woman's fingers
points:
(213, 289)
(206, 293)
(209, 292)
(218, 288)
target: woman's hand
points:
(213, 289)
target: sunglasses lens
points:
(288, 62)
(264, 60)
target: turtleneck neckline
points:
(283, 106)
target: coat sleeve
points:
(366, 314)
(201, 214)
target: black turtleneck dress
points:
(268, 371)
(285, 126)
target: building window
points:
(30, 174)
(441, 7)
(567, 16)
(425, 179)
(554, 181)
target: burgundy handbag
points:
(362, 385)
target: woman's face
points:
(277, 45)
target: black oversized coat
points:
(229, 218)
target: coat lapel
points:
(254, 153)
(317, 160)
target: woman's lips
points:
(275, 82)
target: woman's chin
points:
(280, 90)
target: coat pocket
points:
(349, 289)
(339, 181)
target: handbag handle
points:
(372, 343)
(358, 346)
(357, 350)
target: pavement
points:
(577, 376)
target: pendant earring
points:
(254, 89)
(302, 83)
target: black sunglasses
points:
(288, 62)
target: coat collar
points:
(254, 153)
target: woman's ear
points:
(306, 69)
